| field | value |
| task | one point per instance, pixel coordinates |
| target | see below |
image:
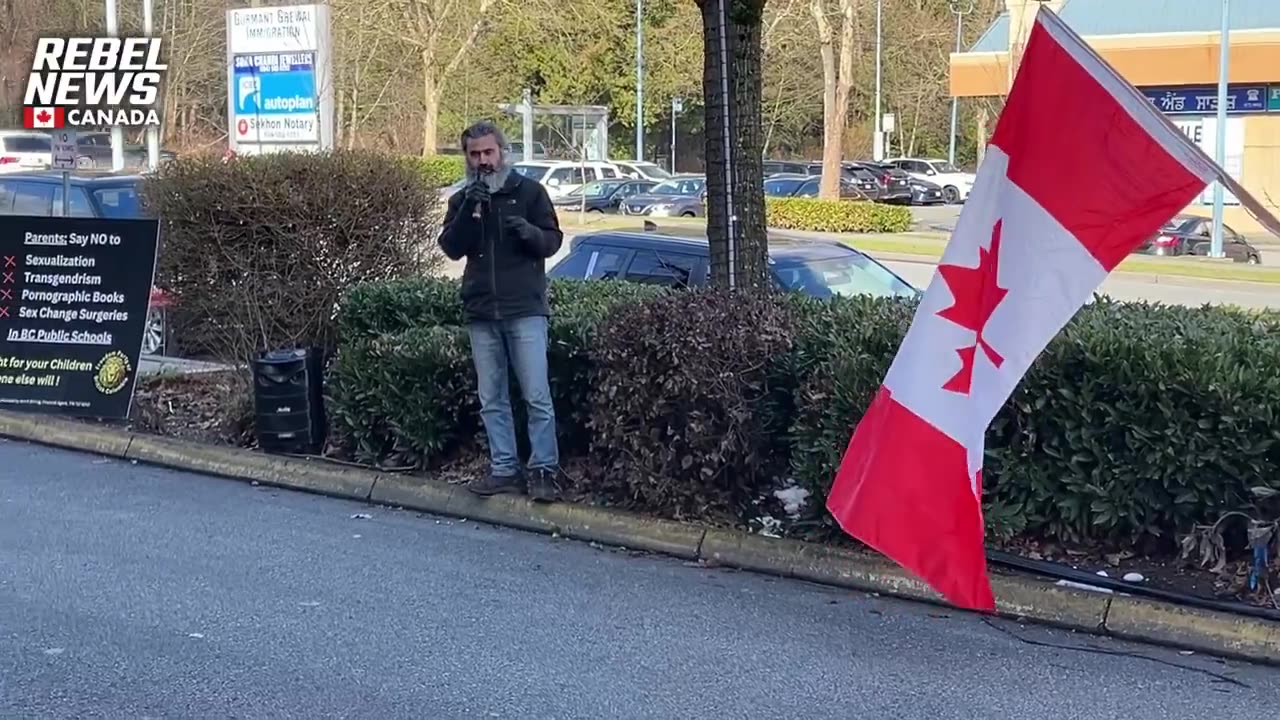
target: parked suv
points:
(561, 176)
(24, 150)
(955, 184)
(680, 258)
(103, 196)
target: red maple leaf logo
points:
(44, 116)
(977, 295)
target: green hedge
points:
(839, 216)
(1137, 422)
(438, 170)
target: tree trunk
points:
(832, 115)
(430, 105)
(735, 177)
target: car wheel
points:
(594, 210)
(951, 195)
(688, 213)
(154, 334)
(1253, 260)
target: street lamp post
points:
(877, 143)
(959, 8)
(1215, 247)
(677, 107)
(639, 80)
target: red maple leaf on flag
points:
(977, 295)
(44, 116)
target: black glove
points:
(521, 228)
(477, 195)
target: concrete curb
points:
(1020, 597)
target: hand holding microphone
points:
(478, 195)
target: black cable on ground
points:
(1059, 571)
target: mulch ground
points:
(218, 409)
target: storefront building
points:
(1168, 49)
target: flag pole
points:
(1220, 156)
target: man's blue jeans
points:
(519, 343)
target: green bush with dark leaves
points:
(837, 216)
(679, 421)
(259, 251)
(402, 387)
(1137, 423)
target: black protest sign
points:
(74, 294)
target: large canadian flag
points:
(1080, 170)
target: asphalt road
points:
(137, 592)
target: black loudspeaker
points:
(288, 401)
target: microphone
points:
(476, 212)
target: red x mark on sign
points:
(10, 261)
(8, 277)
(4, 311)
(6, 294)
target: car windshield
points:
(677, 186)
(594, 189)
(1180, 223)
(854, 274)
(943, 166)
(782, 186)
(119, 203)
(533, 172)
(27, 143)
(651, 170)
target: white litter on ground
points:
(793, 499)
(1082, 586)
(1133, 577)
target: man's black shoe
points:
(497, 485)
(544, 486)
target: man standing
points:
(506, 228)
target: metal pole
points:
(726, 130)
(1215, 247)
(960, 9)
(639, 80)
(672, 164)
(66, 193)
(526, 123)
(153, 133)
(878, 142)
(117, 133)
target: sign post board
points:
(279, 79)
(64, 158)
(74, 294)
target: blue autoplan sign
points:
(275, 96)
(280, 94)
(1203, 100)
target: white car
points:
(561, 177)
(22, 150)
(642, 170)
(955, 185)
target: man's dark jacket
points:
(506, 271)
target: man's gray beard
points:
(494, 180)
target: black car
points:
(679, 257)
(801, 186)
(681, 196)
(924, 192)
(864, 181)
(100, 195)
(1193, 235)
(895, 185)
(602, 196)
